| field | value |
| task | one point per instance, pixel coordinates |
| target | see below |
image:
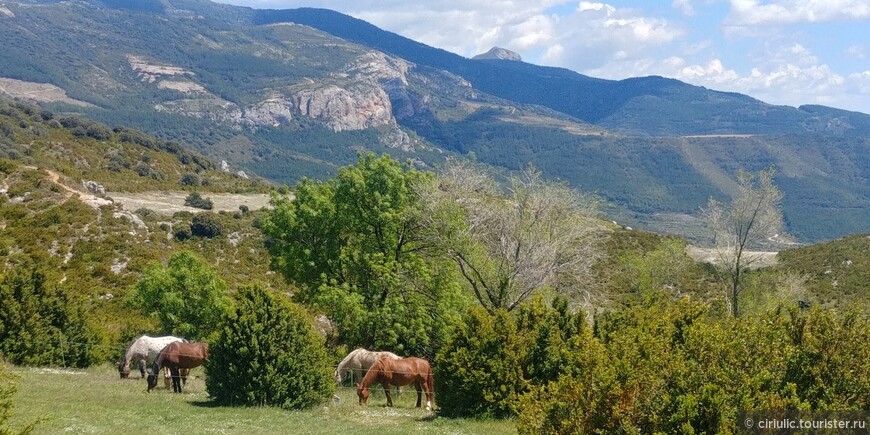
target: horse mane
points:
(372, 374)
(158, 362)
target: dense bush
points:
(183, 233)
(206, 225)
(41, 325)
(196, 200)
(478, 371)
(190, 180)
(489, 360)
(670, 368)
(268, 354)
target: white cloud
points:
(597, 33)
(857, 51)
(792, 76)
(684, 6)
(751, 13)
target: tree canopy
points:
(187, 297)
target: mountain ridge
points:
(276, 94)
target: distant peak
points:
(500, 54)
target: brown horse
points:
(177, 356)
(399, 372)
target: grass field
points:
(96, 401)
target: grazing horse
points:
(144, 350)
(399, 372)
(358, 363)
(176, 356)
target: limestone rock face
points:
(273, 112)
(355, 108)
(499, 54)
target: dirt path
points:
(165, 203)
(708, 255)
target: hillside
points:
(55, 211)
(298, 93)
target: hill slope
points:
(271, 94)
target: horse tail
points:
(430, 382)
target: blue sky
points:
(788, 52)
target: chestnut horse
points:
(399, 372)
(176, 356)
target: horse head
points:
(124, 369)
(363, 393)
(152, 377)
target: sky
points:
(789, 52)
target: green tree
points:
(268, 353)
(187, 297)
(41, 325)
(751, 220)
(353, 246)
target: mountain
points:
(497, 53)
(287, 94)
(644, 105)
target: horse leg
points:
(176, 380)
(419, 386)
(387, 392)
(167, 377)
(142, 367)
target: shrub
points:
(190, 180)
(206, 225)
(142, 169)
(672, 369)
(40, 325)
(6, 129)
(7, 390)
(268, 354)
(183, 233)
(196, 200)
(478, 371)
(99, 131)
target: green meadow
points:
(96, 401)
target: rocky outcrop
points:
(361, 106)
(273, 112)
(499, 54)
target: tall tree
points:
(752, 220)
(540, 235)
(187, 296)
(353, 246)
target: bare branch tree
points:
(752, 220)
(540, 235)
